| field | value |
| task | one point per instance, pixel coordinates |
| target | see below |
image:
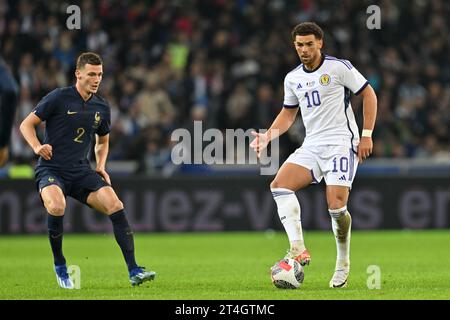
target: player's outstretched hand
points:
(45, 151)
(104, 175)
(365, 148)
(260, 142)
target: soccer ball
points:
(287, 274)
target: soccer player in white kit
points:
(320, 88)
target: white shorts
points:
(337, 164)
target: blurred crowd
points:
(170, 62)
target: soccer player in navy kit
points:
(9, 91)
(75, 117)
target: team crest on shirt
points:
(97, 119)
(325, 79)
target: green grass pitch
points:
(223, 266)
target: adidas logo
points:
(343, 178)
(299, 86)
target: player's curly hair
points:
(88, 58)
(307, 28)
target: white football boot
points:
(340, 276)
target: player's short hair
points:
(307, 28)
(88, 58)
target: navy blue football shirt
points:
(70, 126)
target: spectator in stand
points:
(166, 59)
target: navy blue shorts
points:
(77, 183)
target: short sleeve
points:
(290, 99)
(46, 106)
(352, 78)
(105, 124)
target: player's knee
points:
(275, 184)
(337, 202)
(284, 184)
(115, 206)
(56, 207)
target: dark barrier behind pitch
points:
(222, 204)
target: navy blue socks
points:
(124, 237)
(55, 235)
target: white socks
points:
(341, 222)
(290, 215)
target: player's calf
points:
(341, 222)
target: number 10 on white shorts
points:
(337, 164)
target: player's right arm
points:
(280, 125)
(282, 122)
(28, 130)
(41, 112)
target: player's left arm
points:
(101, 154)
(365, 146)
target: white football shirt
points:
(323, 96)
